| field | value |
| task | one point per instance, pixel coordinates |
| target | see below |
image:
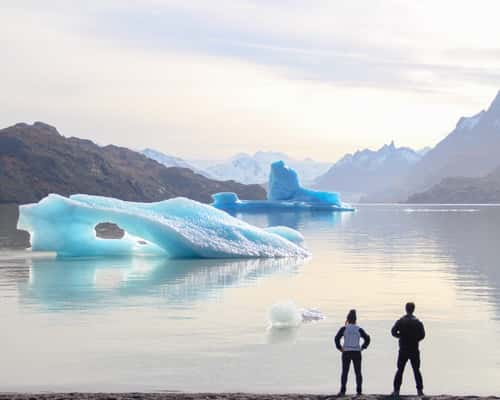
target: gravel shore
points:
(215, 396)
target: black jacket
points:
(410, 332)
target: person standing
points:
(410, 331)
(351, 351)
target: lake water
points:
(152, 324)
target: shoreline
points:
(219, 396)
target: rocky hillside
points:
(463, 190)
(36, 160)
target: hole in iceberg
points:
(108, 230)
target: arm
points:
(366, 338)
(421, 335)
(338, 336)
(395, 330)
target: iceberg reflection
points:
(57, 284)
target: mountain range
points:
(464, 167)
(366, 171)
(469, 151)
(36, 160)
(172, 161)
(243, 167)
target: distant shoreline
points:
(217, 396)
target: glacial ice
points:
(175, 228)
(285, 315)
(288, 315)
(284, 193)
(284, 185)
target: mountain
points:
(470, 150)
(171, 161)
(248, 168)
(36, 160)
(423, 151)
(462, 190)
(367, 170)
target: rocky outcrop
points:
(36, 160)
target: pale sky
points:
(207, 79)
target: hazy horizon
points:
(310, 80)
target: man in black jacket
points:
(410, 331)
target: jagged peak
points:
(470, 122)
(391, 146)
(495, 104)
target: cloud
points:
(314, 79)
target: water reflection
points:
(282, 335)
(295, 220)
(464, 238)
(85, 283)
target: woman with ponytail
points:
(351, 350)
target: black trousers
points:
(347, 357)
(403, 357)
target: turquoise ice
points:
(284, 193)
(175, 228)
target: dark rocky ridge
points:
(36, 160)
(462, 190)
(10, 237)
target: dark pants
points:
(347, 357)
(403, 357)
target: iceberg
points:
(284, 193)
(285, 315)
(175, 228)
(288, 315)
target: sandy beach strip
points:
(218, 396)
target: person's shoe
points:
(341, 393)
(420, 393)
(359, 393)
(395, 394)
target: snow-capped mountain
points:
(470, 150)
(247, 168)
(367, 170)
(171, 161)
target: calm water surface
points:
(154, 324)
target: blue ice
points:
(175, 228)
(284, 193)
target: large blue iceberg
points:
(284, 193)
(175, 228)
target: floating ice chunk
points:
(288, 315)
(177, 228)
(312, 314)
(284, 193)
(285, 315)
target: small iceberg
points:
(312, 314)
(284, 193)
(175, 228)
(287, 315)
